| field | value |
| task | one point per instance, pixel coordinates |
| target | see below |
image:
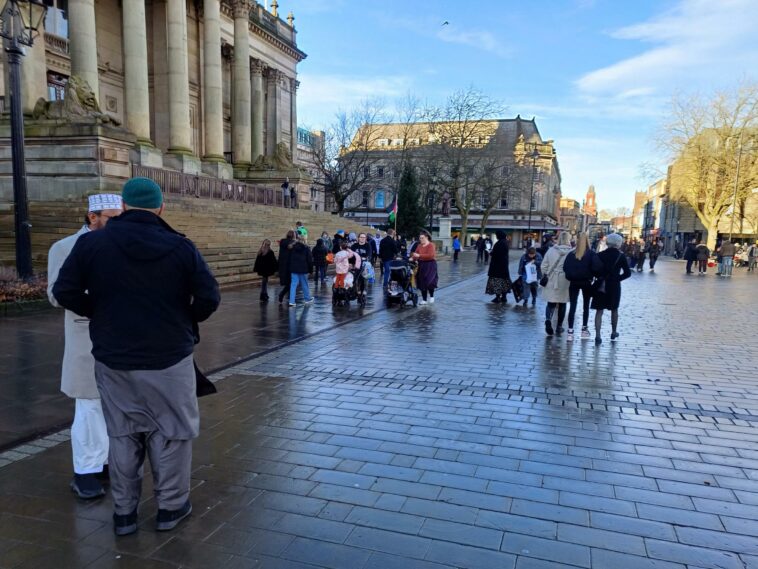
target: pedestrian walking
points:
(487, 249)
(363, 248)
(580, 267)
(319, 254)
(285, 191)
(703, 254)
(641, 251)
(457, 248)
(690, 256)
(499, 281)
(89, 436)
(530, 271)
(606, 291)
(300, 263)
(752, 257)
(293, 196)
(426, 278)
(285, 277)
(265, 266)
(556, 292)
(388, 250)
(327, 240)
(144, 288)
(727, 251)
(653, 251)
(479, 249)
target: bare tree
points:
(501, 183)
(458, 132)
(345, 162)
(708, 140)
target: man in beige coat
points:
(89, 438)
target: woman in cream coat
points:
(556, 292)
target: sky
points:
(598, 75)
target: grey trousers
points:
(170, 461)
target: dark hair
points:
(319, 243)
(290, 234)
(98, 213)
(425, 233)
(531, 250)
(500, 234)
(343, 245)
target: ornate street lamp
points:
(535, 154)
(432, 198)
(20, 21)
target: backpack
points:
(329, 258)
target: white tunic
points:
(78, 373)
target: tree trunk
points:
(712, 228)
(464, 226)
(485, 219)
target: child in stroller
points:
(400, 288)
(345, 286)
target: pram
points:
(400, 288)
(342, 295)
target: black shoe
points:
(496, 300)
(168, 519)
(548, 327)
(614, 335)
(105, 476)
(598, 340)
(559, 331)
(87, 486)
(125, 524)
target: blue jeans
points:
(726, 266)
(302, 280)
(386, 279)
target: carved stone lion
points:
(79, 103)
(281, 160)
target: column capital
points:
(257, 67)
(241, 8)
(294, 85)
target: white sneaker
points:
(421, 302)
(431, 300)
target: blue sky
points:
(597, 74)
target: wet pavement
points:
(31, 347)
(455, 435)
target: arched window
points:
(379, 199)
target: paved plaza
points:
(456, 435)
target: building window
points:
(506, 171)
(366, 195)
(56, 86)
(383, 142)
(380, 171)
(397, 142)
(503, 203)
(396, 172)
(414, 141)
(367, 171)
(56, 18)
(379, 200)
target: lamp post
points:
(432, 196)
(19, 24)
(736, 185)
(535, 154)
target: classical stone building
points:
(202, 87)
(501, 164)
(571, 215)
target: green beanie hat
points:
(142, 193)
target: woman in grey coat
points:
(557, 289)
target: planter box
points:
(24, 307)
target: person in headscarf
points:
(89, 437)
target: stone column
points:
(136, 93)
(33, 74)
(294, 84)
(241, 138)
(212, 82)
(259, 111)
(83, 42)
(273, 116)
(178, 78)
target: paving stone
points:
(699, 556)
(399, 522)
(547, 549)
(616, 560)
(460, 533)
(389, 542)
(323, 554)
(469, 557)
(601, 538)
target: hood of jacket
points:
(142, 235)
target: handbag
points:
(329, 258)
(598, 285)
(543, 281)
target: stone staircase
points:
(228, 234)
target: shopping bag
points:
(531, 273)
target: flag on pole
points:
(393, 210)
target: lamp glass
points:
(32, 14)
(3, 5)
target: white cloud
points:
(695, 41)
(479, 39)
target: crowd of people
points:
(725, 256)
(563, 269)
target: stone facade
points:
(202, 87)
(510, 143)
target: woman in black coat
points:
(285, 277)
(615, 269)
(266, 265)
(499, 282)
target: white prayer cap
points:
(99, 202)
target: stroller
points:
(343, 295)
(400, 288)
